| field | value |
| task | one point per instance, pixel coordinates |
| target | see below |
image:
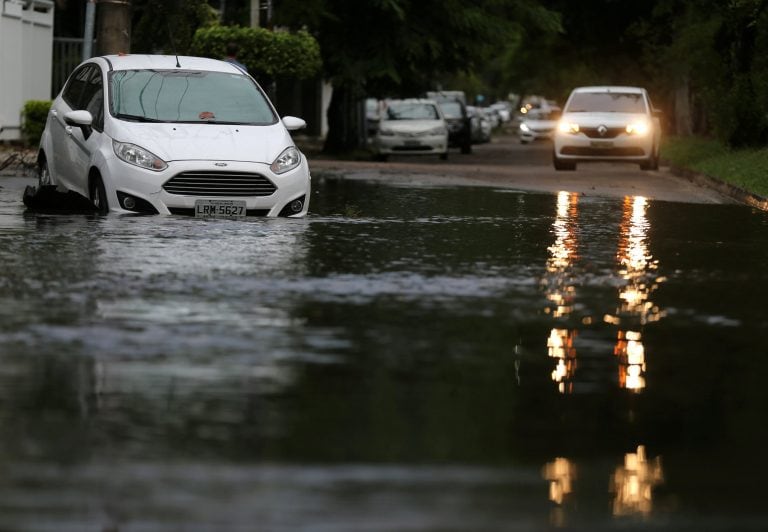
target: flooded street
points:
(405, 358)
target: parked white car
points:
(166, 135)
(608, 124)
(412, 126)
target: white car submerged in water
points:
(172, 135)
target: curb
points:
(732, 191)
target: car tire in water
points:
(43, 174)
(562, 165)
(653, 161)
(98, 195)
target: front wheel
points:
(444, 156)
(653, 161)
(562, 165)
(98, 195)
(43, 175)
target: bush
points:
(267, 54)
(746, 168)
(33, 118)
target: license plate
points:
(220, 209)
(412, 143)
(601, 144)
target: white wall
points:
(26, 53)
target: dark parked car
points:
(458, 120)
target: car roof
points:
(167, 62)
(610, 88)
(413, 100)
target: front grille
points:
(610, 132)
(412, 148)
(219, 184)
(603, 152)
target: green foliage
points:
(34, 115)
(745, 168)
(267, 54)
(168, 27)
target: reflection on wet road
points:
(405, 358)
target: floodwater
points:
(442, 359)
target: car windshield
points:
(451, 109)
(188, 96)
(412, 111)
(607, 102)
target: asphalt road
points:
(505, 162)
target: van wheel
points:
(98, 195)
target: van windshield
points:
(188, 96)
(606, 102)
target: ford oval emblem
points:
(220, 164)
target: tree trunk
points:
(345, 132)
(114, 27)
(683, 121)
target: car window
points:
(92, 99)
(73, 91)
(451, 109)
(412, 111)
(606, 102)
(188, 96)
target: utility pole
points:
(114, 27)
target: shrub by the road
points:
(744, 168)
(34, 114)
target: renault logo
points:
(602, 130)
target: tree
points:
(399, 47)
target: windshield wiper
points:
(136, 118)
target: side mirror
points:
(81, 119)
(292, 123)
(78, 118)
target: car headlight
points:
(386, 132)
(568, 127)
(289, 159)
(138, 156)
(439, 130)
(638, 128)
(524, 128)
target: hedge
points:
(267, 54)
(33, 117)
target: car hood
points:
(606, 119)
(410, 126)
(205, 142)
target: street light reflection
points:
(559, 287)
(560, 474)
(638, 269)
(632, 484)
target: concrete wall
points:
(26, 52)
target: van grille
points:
(219, 184)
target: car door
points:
(73, 145)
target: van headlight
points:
(524, 128)
(289, 159)
(138, 156)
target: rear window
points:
(188, 96)
(606, 102)
(412, 111)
